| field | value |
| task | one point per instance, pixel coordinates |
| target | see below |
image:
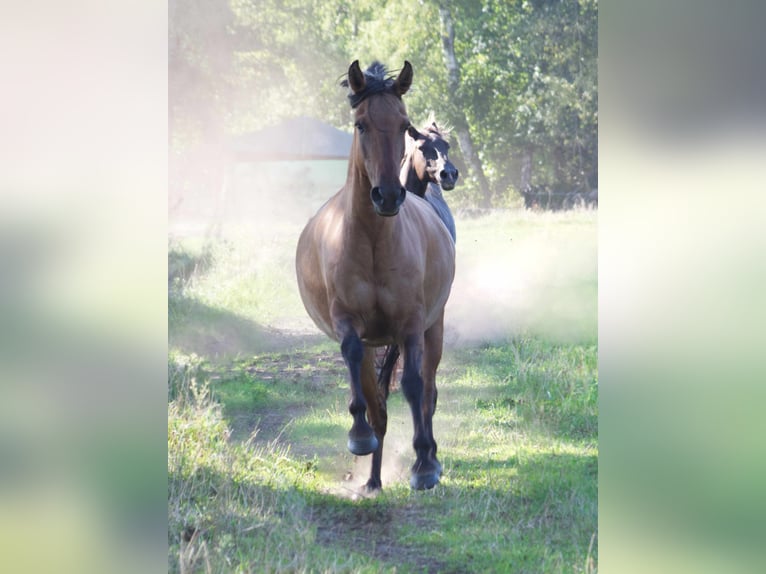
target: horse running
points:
(375, 267)
(426, 170)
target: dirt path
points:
(327, 368)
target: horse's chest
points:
(387, 301)
(378, 306)
(369, 297)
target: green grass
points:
(259, 479)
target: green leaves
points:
(529, 79)
(527, 75)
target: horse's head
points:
(380, 120)
(432, 162)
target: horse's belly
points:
(377, 337)
(312, 286)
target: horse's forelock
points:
(377, 72)
(377, 80)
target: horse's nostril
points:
(387, 200)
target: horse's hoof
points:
(425, 476)
(424, 480)
(363, 446)
(373, 486)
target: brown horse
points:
(375, 267)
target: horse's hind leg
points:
(432, 354)
(375, 392)
(361, 438)
(425, 472)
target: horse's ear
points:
(404, 81)
(413, 132)
(356, 79)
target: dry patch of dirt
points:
(374, 530)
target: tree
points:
(531, 70)
(237, 66)
(516, 79)
(457, 105)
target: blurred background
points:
(105, 107)
(516, 82)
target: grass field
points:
(259, 478)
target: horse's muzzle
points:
(448, 177)
(387, 201)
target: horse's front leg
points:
(426, 471)
(361, 437)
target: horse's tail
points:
(376, 395)
(386, 372)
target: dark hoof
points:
(424, 480)
(425, 476)
(373, 486)
(363, 446)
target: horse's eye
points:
(360, 127)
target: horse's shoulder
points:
(425, 222)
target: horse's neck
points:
(360, 216)
(435, 189)
(410, 179)
(404, 171)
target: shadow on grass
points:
(498, 508)
(217, 334)
(542, 515)
(183, 264)
(290, 527)
(283, 396)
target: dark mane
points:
(430, 128)
(377, 80)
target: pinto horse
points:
(375, 267)
(426, 170)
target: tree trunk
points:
(460, 121)
(526, 169)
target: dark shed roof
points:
(298, 138)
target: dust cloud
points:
(511, 280)
(398, 455)
(265, 198)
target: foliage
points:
(529, 74)
(239, 65)
(528, 85)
